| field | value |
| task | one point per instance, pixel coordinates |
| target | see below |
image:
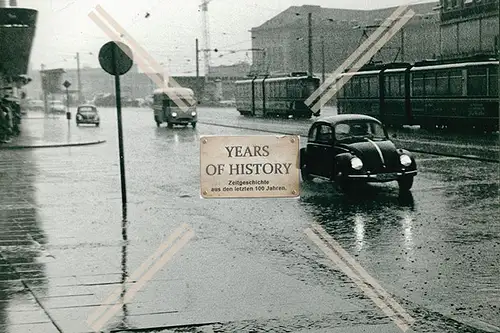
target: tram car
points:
(458, 95)
(281, 96)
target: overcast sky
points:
(168, 34)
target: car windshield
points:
(87, 110)
(359, 129)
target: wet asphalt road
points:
(250, 266)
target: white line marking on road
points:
(157, 264)
(162, 81)
(364, 60)
(365, 282)
(362, 48)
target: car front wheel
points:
(343, 183)
(405, 183)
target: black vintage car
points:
(353, 148)
(87, 114)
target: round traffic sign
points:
(114, 58)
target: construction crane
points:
(206, 36)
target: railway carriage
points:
(360, 93)
(380, 91)
(457, 96)
(460, 95)
(283, 96)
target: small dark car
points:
(352, 148)
(87, 114)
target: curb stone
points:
(52, 145)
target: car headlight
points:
(193, 113)
(405, 160)
(174, 114)
(356, 163)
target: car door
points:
(321, 138)
(312, 150)
(326, 155)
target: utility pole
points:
(309, 24)
(197, 59)
(265, 64)
(80, 95)
(323, 58)
(402, 45)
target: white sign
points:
(249, 166)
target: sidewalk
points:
(38, 131)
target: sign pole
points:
(67, 107)
(116, 59)
(120, 130)
(66, 85)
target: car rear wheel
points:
(170, 125)
(405, 183)
(304, 172)
(193, 124)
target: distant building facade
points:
(281, 44)
(224, 77)
(469, 26)
(135, 84)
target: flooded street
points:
(251, 266)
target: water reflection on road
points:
(412, 243)
(22, 242)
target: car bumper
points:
(383, 177)
(182, 121)
(88, 121)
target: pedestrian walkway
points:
(38, 131)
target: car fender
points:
(342, 161)
(406, 152)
